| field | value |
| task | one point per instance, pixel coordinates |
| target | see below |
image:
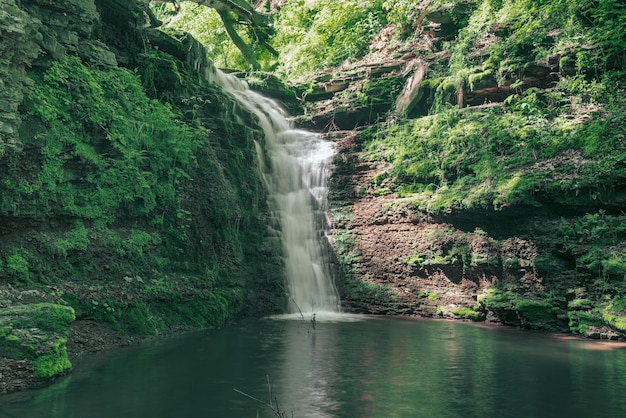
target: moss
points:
(163, 310)
(468, 313)
(580, 304)
(53, 317)
(49, 317)
(430, 83)
(53, 363)
(614, 313)
(535, 313)
(37, 333)
(138, 318)
(482, 79)
(579, 321)
(380, 92)
(12, 347)
(364, 291)
(616, 321)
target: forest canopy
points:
(304, 36)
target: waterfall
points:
(296, 176)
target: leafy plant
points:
(312, 35)
(17, 264)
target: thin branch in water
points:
(269, 389)
(312, 323)
(275, 409)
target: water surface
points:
(346, 367)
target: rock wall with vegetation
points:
(489, 183)
(480, 172)
(129, 194)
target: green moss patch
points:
(37, 333)
(468, 313)
(515, 309)
(53, 363)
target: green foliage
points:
(468, 313)
(539, 311)
(401, 12)
(369, 292)
(580, 321)
(596, 239)
(17, 264)
(54, 363)
(616, 321)
(164, 309)
(607, 23)
(138, 318)
(455, 246)
(100, 152)
(535, 31)
(484, 158)
(52, 317)
(534, 311)
(37, 332)
(49, 317)
(108, 310)
(102, 130)
(206, 26)
(76, 239)
(312, 35)
(614, 314)
(343, 243)
(580, 304)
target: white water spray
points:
(295, 175)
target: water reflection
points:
(353, 368)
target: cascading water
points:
(296, 177)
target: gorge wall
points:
(475, 181)
(130, 201)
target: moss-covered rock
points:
(37, 333)
(131, 191)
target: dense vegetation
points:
(113, 168)
(560, 146)
(130, 196)
(316, 34)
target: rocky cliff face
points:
(130, 198)
(425, 225)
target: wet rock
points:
(412, 93)
(33, 337)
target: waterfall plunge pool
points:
(347, 366)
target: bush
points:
(17, 265)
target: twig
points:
(275, 409)
(312, 324)
(299, 310)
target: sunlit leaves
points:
(312, 35)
